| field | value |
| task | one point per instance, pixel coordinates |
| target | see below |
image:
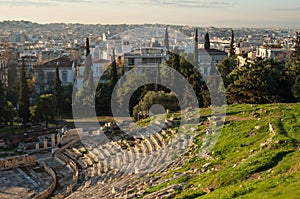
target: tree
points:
(225, 67)
(88, 61)
(85, 96)
(259, 83)
(12, 75)
(232, 48)
(2, 102)
(297, 44)
(196, 53)
(46, 108)
(294, 69)
(173, 62)
(23, 96)
(114, 71)
(206, 42)
(167, 40)
(193, 76)
(167, 100)
(296, 90)
(9, 113)
(58, 92)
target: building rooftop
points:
(62, 62)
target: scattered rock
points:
(258, 127)
(87, 184)
(208, 189)
(206, 165)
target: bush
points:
(167, 100)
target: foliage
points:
(261, 82)
(196, 53)
(225, 67)
(206, 42)
(232, 49)
(293, 69)
(58, 92)
(23, 96)
(2, 102)
(46, 108)
(166, 41)
(114, 71)
(239, 166)
(167, 100)
(9, 113)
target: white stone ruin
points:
(58, 139)
(45, 144)
(53, 140)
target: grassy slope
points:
(240, 167)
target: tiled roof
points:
(212, 51)
(63, 62)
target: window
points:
(41, 76)
(130, 61)
(205, 70)
(50, 77)
(64, 76)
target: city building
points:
(145, 57)
(98, 67)
(272, 52)
(45, 73)
(208, 57)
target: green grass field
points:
(242, 164)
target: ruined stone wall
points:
(73, 166)
(46, 193)
(18, 161)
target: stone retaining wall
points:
(18, 161)
(46, 193)
(73, 166)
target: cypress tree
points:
(206, 42)
(87, 47)
(196, 49)
(167, 40)
(113, 72)
(58, 92)
(23, 96)
(232, 49)
(2, 102)
(158, 80)
(88, 61)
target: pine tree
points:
(58, 92)
(23, 96)
(167, 40)
(232, 49)
(206, 42)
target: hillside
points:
(256, 156)
(248, 161)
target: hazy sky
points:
(228, 13)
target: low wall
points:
(46, 193)
(73, 166)
(17, 161)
